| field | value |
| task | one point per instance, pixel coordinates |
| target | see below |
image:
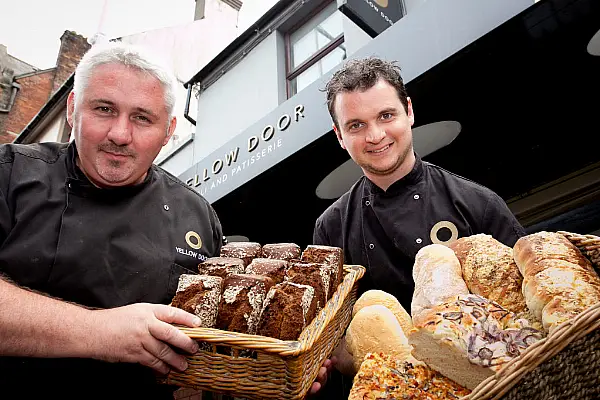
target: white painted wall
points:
(52, 132)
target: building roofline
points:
(239, 41)
(24, 62)
(33, 125)
(32, 73)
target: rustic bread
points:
(199, 295)
(221, 266)
(381, 376)
(273, 268)
(281, 251)
(241, 302)
(489, 270)
(559, 282)
(469, 338)
(287, 310)
(375, 328)
(312, 274)
(246, 251)
(372, 297)
(438, 277)
(332, 257)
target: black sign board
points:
(373, 16)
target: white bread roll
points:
(376, 329)
(373, 297)
(438, 278)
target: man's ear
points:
(170, 130)
(70, 108)
(410, 112)
(339, 136)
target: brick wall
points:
(72, 48)
(31, 97)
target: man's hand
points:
(322, 376)
(141, 333)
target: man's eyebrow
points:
(389, 110)
(351, 121)
(113, 104)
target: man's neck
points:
(385, 181)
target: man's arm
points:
(500, 222)
(33, 325)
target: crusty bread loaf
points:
(287, 310)
(372, 297)
(312, 274)
(469, 338)
(375, 328)
(382, 376)
(438, 277)
(199, 295)
(559, 282)
(281, 251)
(489, 270)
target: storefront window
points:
(315, 48)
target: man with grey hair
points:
(93, 239)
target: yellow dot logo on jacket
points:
(382, 3)
(193, 240)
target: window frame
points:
(292, 73)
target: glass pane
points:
(323, 33)
(317, 70)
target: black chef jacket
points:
(104, 248)
(384, 230)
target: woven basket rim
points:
(568, 332)
(285, 348)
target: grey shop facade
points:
(520, 102)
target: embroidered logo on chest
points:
(193, 240)
(434, 235)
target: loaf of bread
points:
(281, 251)
(373, 297)
(199, 295)
(373, 329)
(287, 310)
(438, 278)
(273, 268)
(312, 274)
(382, 376)
(489, 270)
(559, 282)
(331, 256)
(241, 302)
(221, 266)
(246, 251)
(469, 338)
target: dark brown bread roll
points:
(287, 310)
(274, 269)
(312, 274)
(246, 251)
(221, 266)
(241, 302)
(333, 257)
(281, 251)
(199, 295)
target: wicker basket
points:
(564, 365)
(269, 368)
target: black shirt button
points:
(371, 246)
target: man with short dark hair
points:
(94, 237)
(402, 203)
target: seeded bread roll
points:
(287, 310)
(438, 277)
(246, 251)
(375, 328)
(199, 295)
(559, 282)
(281, 251)
(373, 297)
(312, 274)
(333, 257)
(221, 266)
(470, 338)
(241, 302)
(274, 269)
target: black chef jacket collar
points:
(401, 184)
(78, 182)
